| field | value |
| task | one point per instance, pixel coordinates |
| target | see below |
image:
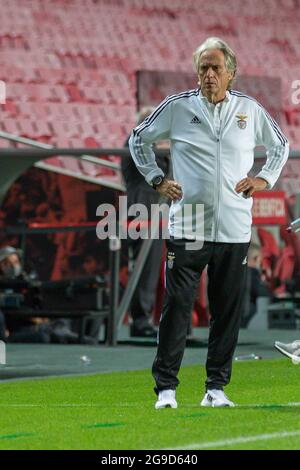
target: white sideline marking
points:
(133, 405)
(268, 405)
(64, 405)
(237, 440)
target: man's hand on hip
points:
(249, 185)
(170, 188)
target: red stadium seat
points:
(46, 63)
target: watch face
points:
(157, 180)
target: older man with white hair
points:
(213, 131)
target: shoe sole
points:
(287, 354)
(165, 406)
(217, 406)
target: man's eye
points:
(204, 69)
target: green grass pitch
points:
(116, 411)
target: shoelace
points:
(211, 398)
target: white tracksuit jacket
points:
(212, 149)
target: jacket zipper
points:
(217, 217)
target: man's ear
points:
(230, 75)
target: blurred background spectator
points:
(256, 284)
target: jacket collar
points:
(226, 99)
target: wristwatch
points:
(157, 180)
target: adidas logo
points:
(195, 120)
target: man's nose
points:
(210, 72)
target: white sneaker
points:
(166, 399)
(291, 350)
(216, 398)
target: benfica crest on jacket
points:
(242, 123)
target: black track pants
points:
(227, 270)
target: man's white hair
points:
(217, 43)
